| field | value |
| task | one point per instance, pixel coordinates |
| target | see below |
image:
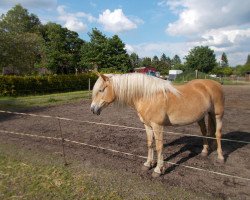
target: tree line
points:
(28, 45)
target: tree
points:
(242, 69)
(225, 71)
(105, 52)
(224, 61)
(155, 59)
(117, 55)
(163, 57)
(21, 44)
(201, 58)
(176, 61)
(146, 62)
(248, 60)
(134, 60)
(62, 48)
(27, 51)
(155, 62)
(18, 20)
(164, 64)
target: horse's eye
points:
(101, 90)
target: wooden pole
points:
(196, 73)
(89, 88)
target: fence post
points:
(62, 138)
(89, 88)
(196, 73)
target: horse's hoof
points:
(145, 168)
(204, 154)
(155, 175)
(221, 160)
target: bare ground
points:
(180, 149)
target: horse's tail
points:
(211, 129)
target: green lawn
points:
(33, 178)
(42, 100)
(33, 174)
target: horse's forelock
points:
(97, 85)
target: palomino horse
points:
(159, 103)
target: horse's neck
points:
(160, 98)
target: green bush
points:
(24, 85)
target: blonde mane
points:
(128, 87)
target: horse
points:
(158, 104)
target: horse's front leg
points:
(158, 133)
(150, 160)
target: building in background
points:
(147, 70)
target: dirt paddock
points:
(178, 149)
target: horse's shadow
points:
(193, 145)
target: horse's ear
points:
(105, 78)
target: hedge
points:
(24, 85)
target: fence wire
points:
(125, 153)
(121, 126)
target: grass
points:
(42, 100)
(21, 179)
(34, 174)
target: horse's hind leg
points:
(203, 128)
(218, 119)
(150, 136)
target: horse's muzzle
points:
(95, 109)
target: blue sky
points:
(153, 27)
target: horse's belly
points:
(183, 119)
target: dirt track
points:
(182, 150)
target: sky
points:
(154, 27)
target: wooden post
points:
(196, 73)
(89, 88)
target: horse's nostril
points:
(92, 108)
(98, 112)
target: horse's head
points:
(103, 94)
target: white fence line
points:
(120, 126)
(125, 153)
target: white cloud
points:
(129, 48)
(227, 38)
(222, 25)
(116, 21)
(158, 48)
(236, 54)
(73, 21)
(195, 17)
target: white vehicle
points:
(173, 74)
